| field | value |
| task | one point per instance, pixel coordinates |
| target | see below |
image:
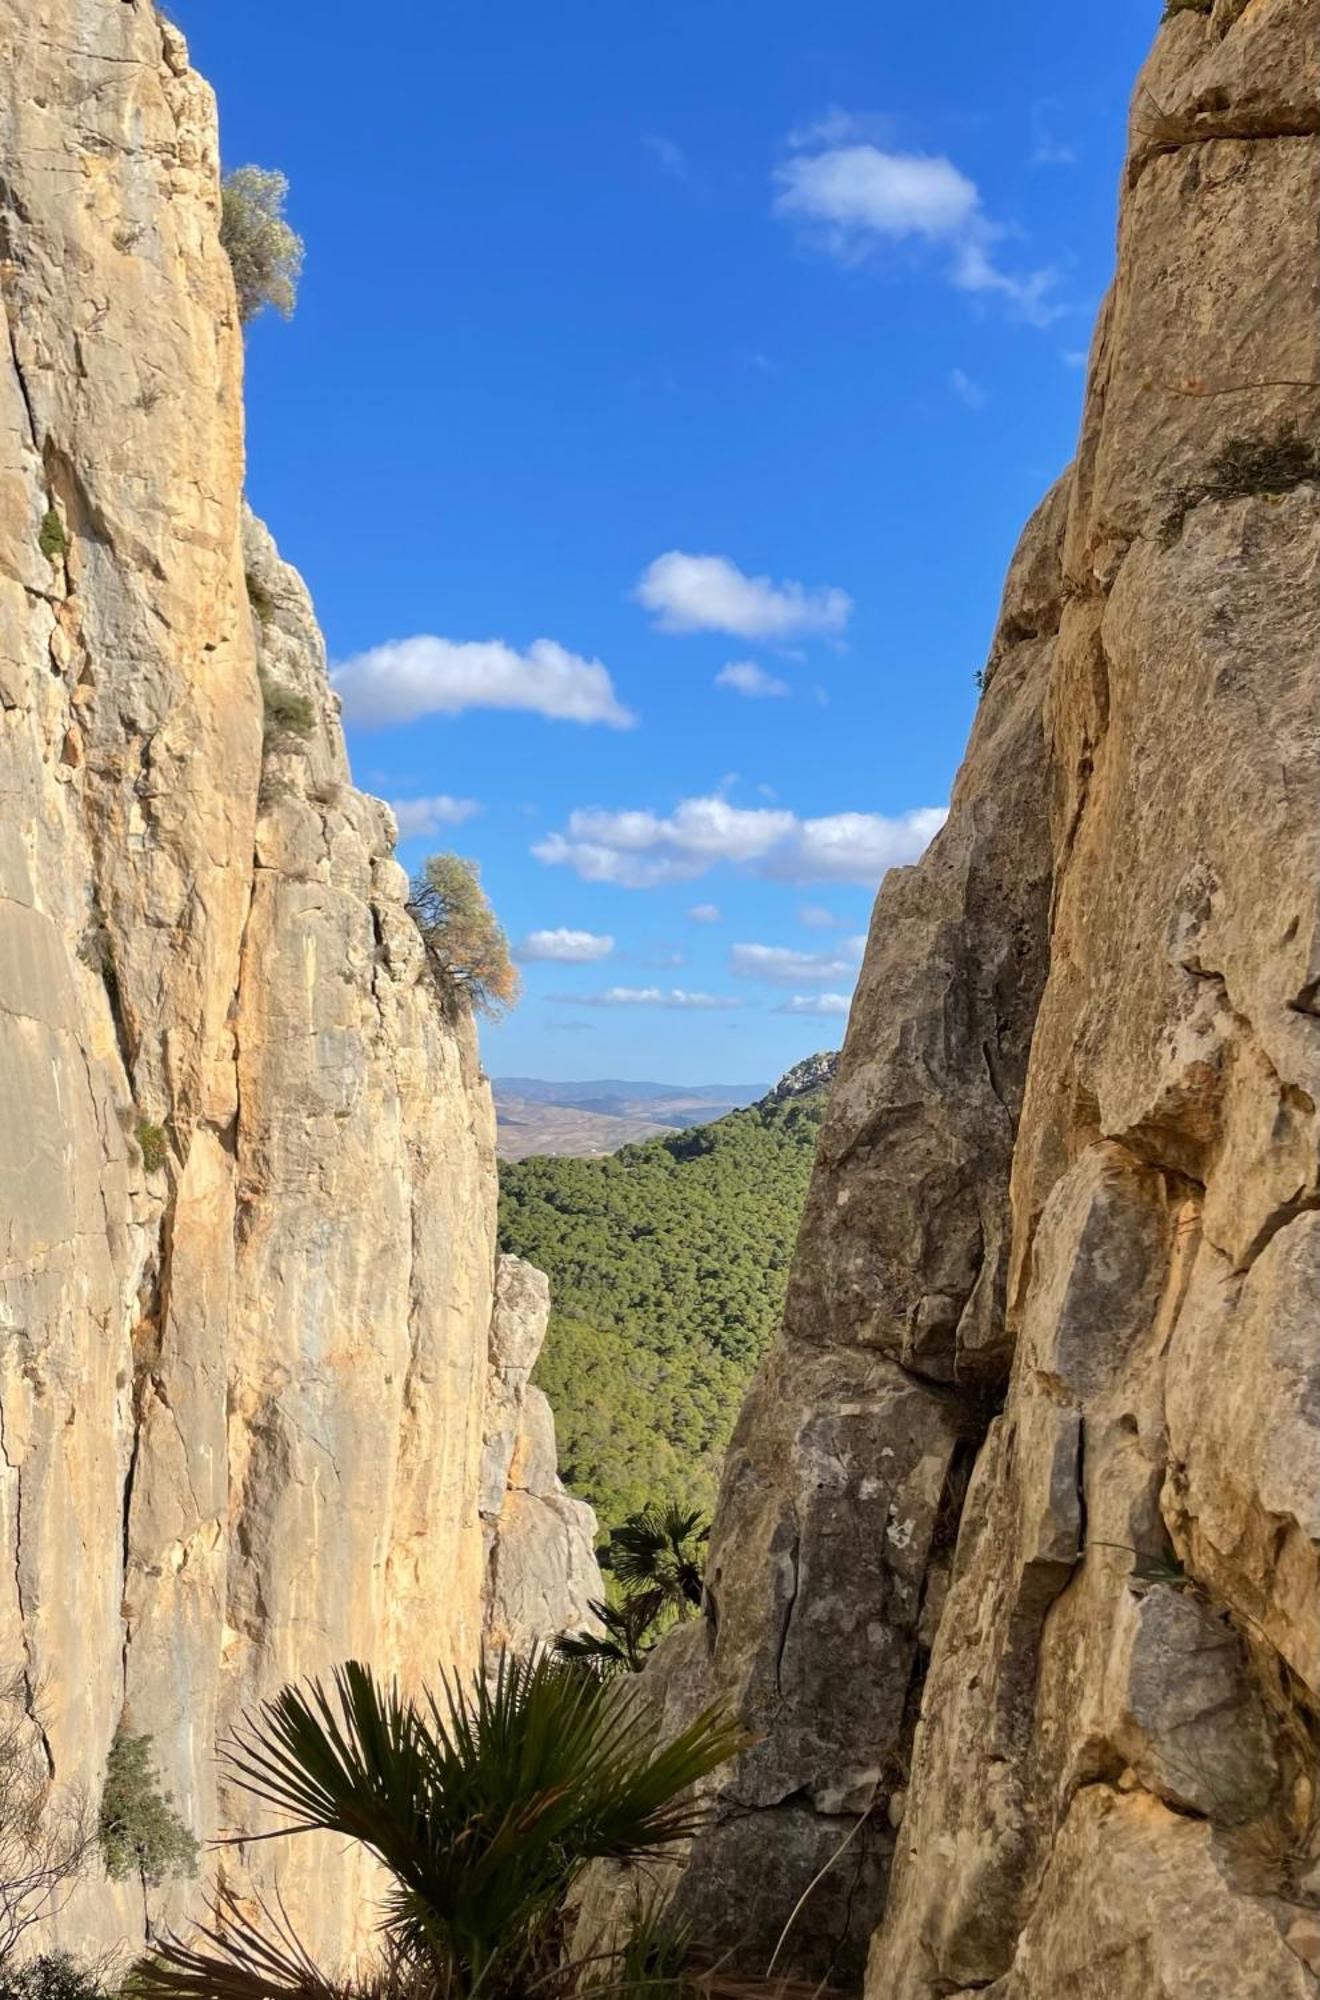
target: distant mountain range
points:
(588, 1120)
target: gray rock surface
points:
(1016, 1558)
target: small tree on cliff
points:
(465, 944)
(265, 252)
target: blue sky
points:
(679, 339)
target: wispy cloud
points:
(850, 196)
(652, 996)
(966, 390)
(416, 816)
(563, 947)
(1047, 148)
(817, 918)
(671, 157)
(426, 675)
(705, 913)
(638, 849)
(747, 678)
(816, 1003)
(777, 965)
(711, 594)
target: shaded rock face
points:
(1015, 1564)
(246, 1163)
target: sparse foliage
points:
(287, 713)
(52, 540)
(482, 1803)
(47, 1836)
(152, 1145)
(1264, 462)
(1172, 7)
(53, 1976)
(465, 942)
(140, 1830)
(655, 1557)
(266, 254)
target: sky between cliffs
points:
(668, 387)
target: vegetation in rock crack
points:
(259, 598)
(287, 713)
(656, 1559)
(466, 947)
(152, 1145)
(668, 1264)
(1172, 7)
(1264, 462)
(141, 1832)
(52, 540)
(482, 1802)
(47, 1836)
(265, 253)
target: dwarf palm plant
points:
(483, 1804)
(657, 1557)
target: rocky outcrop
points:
(812, 1073)
(541, 1570)
(246, 1164)
(1015, 1564)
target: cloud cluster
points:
(426, 675)
(563, 947)
(816, 1003)
(652, 996)
(637, 850)
(416, 816)
(780, 966)
(705, 913)
(711, 594)
(745, 677)
(853, 196)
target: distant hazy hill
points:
(597, 1117)
(667, 1267)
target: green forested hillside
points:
(667, 1264)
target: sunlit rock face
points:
(1016, 1560)
(246, 1158)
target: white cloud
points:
(563, 947)
(711, 594)
(966, 390)
(637, 850)
(416, 816)
(749, 679)
(780, 966)
(816, 1003)
(1047, 149)
(430, 676)
(1075, 357)
(652, 996)
(817, 918)
(705, 913)
(851, 198)
(671, 157)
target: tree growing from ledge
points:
(465, 944)
(266, 253)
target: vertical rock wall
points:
(1016, 1561)
(246, 1160)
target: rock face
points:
(541, 1568)
(246, 1163)
(1016, 1559)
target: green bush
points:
(465, 944)
(152, 1145)
(266, 255)
(53, 1976)
(141, 1833)
(287, 713)
(52, 540)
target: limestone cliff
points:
(247, 1158)
(1016, 1559)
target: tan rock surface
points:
(242, 1391)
